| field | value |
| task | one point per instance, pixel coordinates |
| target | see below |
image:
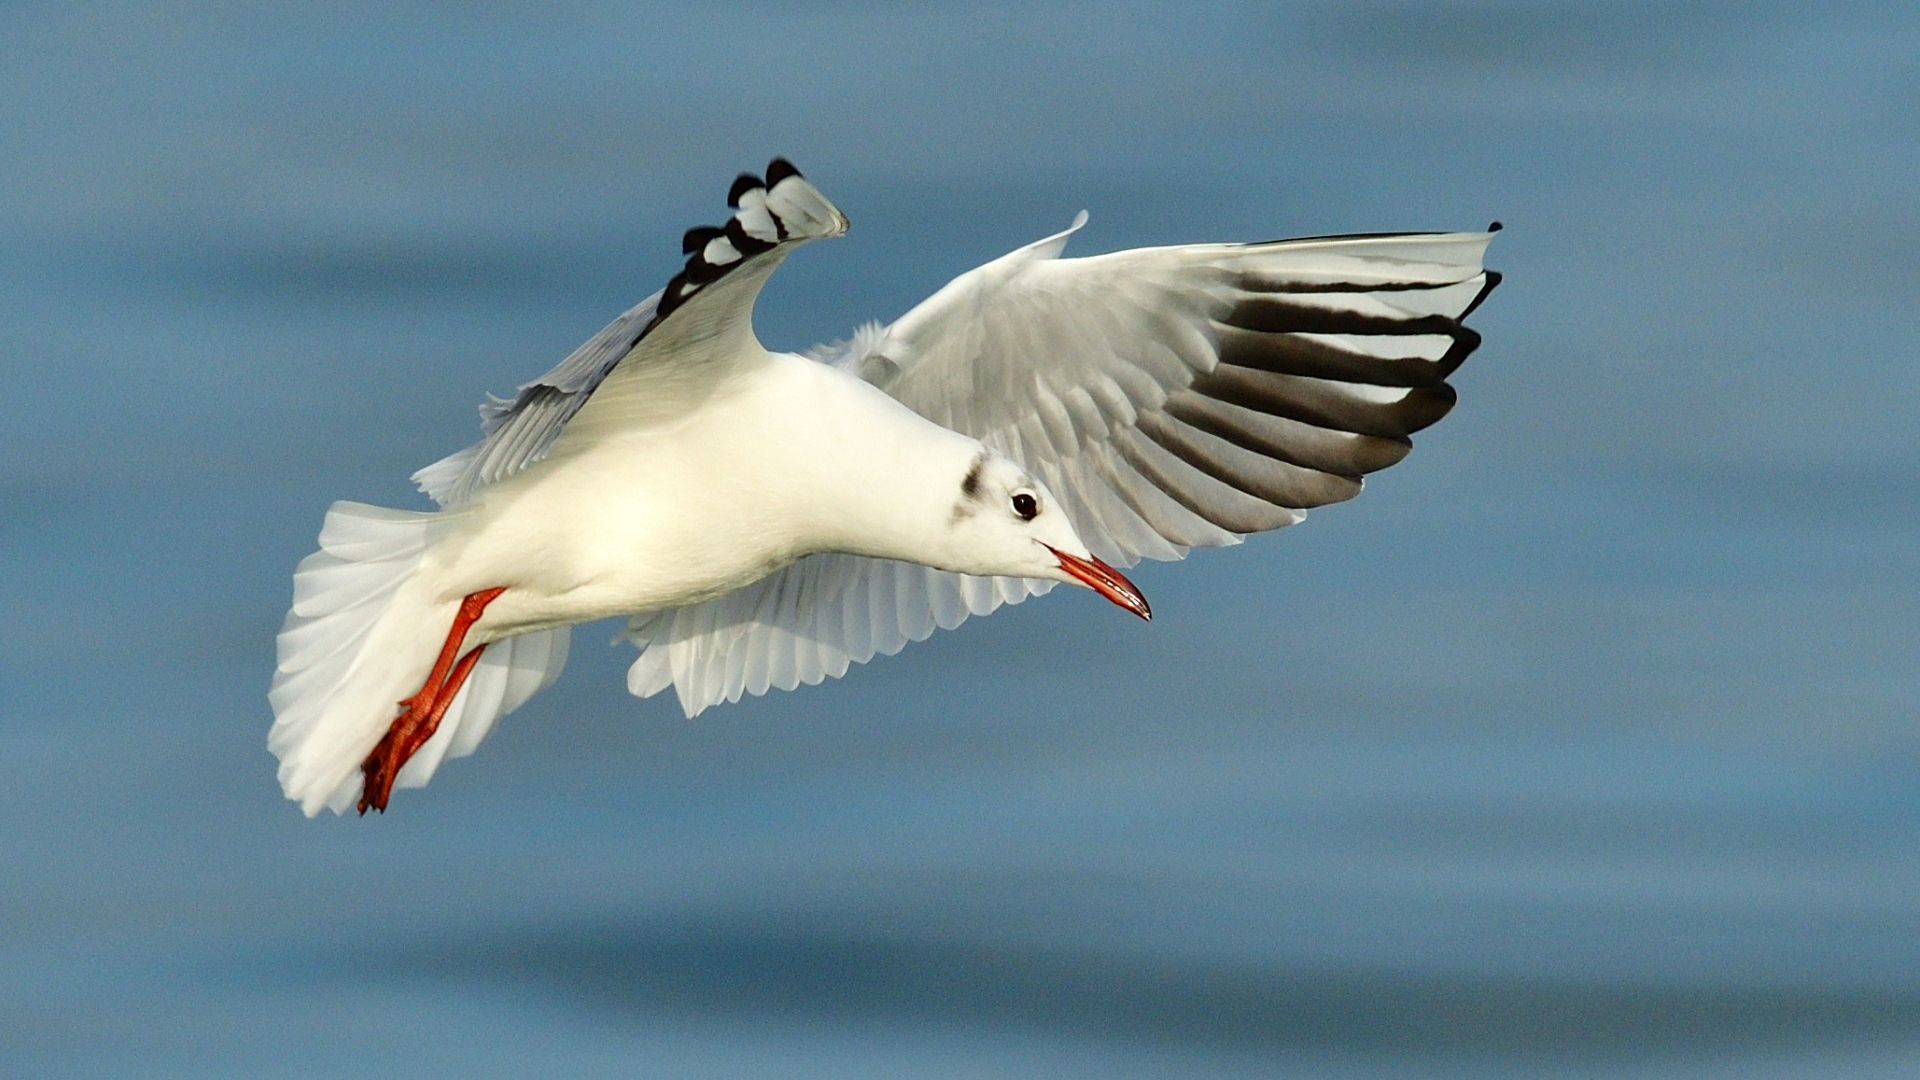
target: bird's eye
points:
(1026, 506)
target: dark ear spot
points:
(970, 484)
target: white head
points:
(1005, 523)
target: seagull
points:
(768, 519)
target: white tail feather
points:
(358, 639)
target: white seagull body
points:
(768, 519)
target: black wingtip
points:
(742, 184)
(779, 169)
(1494, 278)
(697, 237)
(698, 272)
(1495, 227)
(745, 243)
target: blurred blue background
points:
(1583, 744)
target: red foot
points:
(421, 713)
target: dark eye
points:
(1026, 506)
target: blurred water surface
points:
(1583, 744)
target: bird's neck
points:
(880, 479)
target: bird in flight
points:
(767, 519)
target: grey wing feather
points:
(519, 431)
(771, 217)
(1183, 397)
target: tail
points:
(359, 638)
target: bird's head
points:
(1005, 523)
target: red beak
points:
(1104, 580)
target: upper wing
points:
(1169, 397)
(1183, 396)
(703, 318)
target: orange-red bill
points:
(1104, 580)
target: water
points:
(1583, 744)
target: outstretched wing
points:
(703, 318)
(1169, 397)
(1181, 397)
(804, 624)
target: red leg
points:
(421, 713)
